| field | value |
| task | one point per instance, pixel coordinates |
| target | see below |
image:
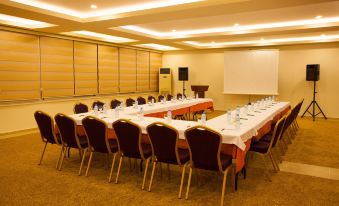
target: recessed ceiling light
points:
(319, 17)
(173, 30)
(22, 22)
(100, 36)
(236, 24)
(93, 6)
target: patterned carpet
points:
(23, 182)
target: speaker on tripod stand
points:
(183, 76)
(313, 74)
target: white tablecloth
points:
(230, 134)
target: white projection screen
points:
(251, 72)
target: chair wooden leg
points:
(82, 161)
(223, 187)
(152, 176)
(275, 166)
(69, 152)
(89, 163)
(112, 168)
(182, 180)
(145, 174)
(60, 156)
(160, 169)
(266, 168)
(130, 164)
(169, 171)
(43, 152)
(118, 173)
(189, 183)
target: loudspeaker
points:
(312, 72)
(183, 73)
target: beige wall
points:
(20, 116)
(207, 67)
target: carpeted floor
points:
(23, 182)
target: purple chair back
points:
(129, 102)
(169, 97)
(80, 108)
(129, 138)
(46, 127)
(115, 103)
(150, 98)
(141, 100)
(277, 132)
(160, 97)
(96, 132)
(67, 129)
(163, 140)
(204, 146)
(289, 119)
(98, 103)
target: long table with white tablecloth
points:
(250, 123)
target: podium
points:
(200, 90)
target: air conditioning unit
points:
(165, 81)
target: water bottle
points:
(229, 116)
(104, 108)
(116, 112)
(169, 115)
(237, 121)
(141, 113)
(203, 118)
(152, 101)
(197, 96)
(121, 107)
(95, 109)
(238, 111)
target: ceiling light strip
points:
(181, 34)
(103, 12)
(265, 41)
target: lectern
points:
(200, 90)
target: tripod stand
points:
(314, 104)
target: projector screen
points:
(251, 72)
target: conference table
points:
(236, 140)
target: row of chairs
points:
(204, 146)
(275, 143)
(82, 108)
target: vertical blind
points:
(128, 72)
(143, 71)
(19, 66)
(57, 77)
(155, 64)
(85, 68)
(36, 66)
(108, 69)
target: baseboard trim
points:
(18, 133)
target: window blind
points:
(19, 66)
